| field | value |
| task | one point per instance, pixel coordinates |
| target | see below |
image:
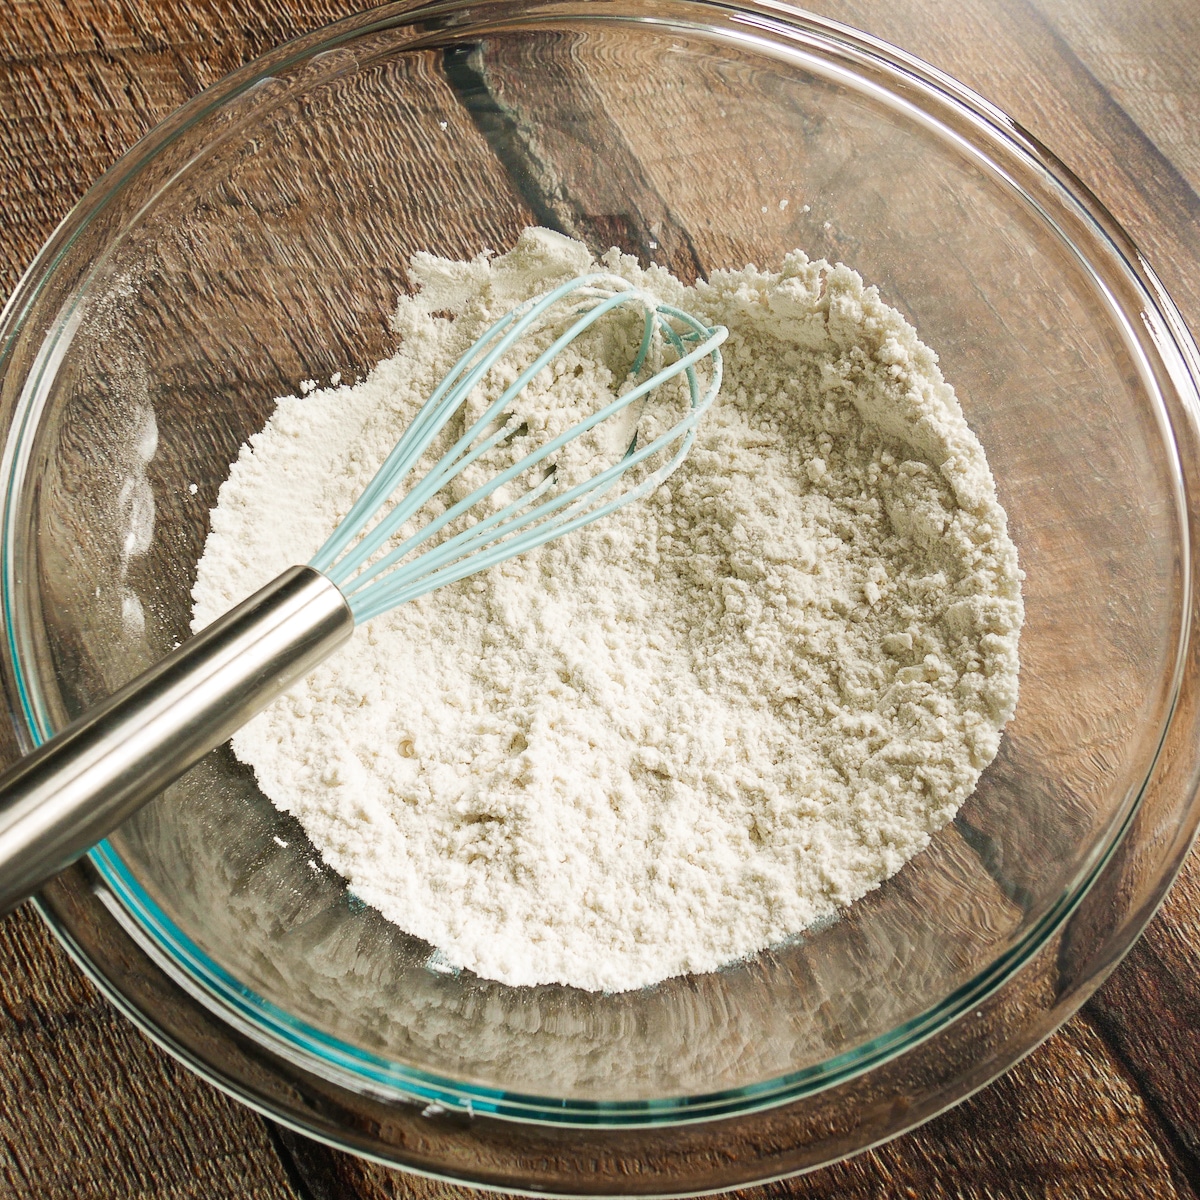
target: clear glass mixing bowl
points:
(259, 238)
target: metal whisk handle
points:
(74, 790)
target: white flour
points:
(691, 730)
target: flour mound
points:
(688, 731)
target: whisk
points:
(63, 798)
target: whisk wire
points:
(465, 554)
(465, 450)
(370, 545)
(445, 400)
(461, 555)
(373, 587)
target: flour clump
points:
(686, 732)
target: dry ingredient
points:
(686, 732)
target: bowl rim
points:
(756, 21)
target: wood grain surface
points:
(1109, 1107)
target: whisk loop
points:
(372, 584)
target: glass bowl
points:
(259, 238)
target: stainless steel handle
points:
(79, 786)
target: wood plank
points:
(88, 1107)
(1149, 1014)
(607, 201)
(1146, 58)
(1015, 57)
(84, 80)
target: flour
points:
(690, 730)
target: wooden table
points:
(1110, 1106)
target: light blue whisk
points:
(63, 798)
(373, 587)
